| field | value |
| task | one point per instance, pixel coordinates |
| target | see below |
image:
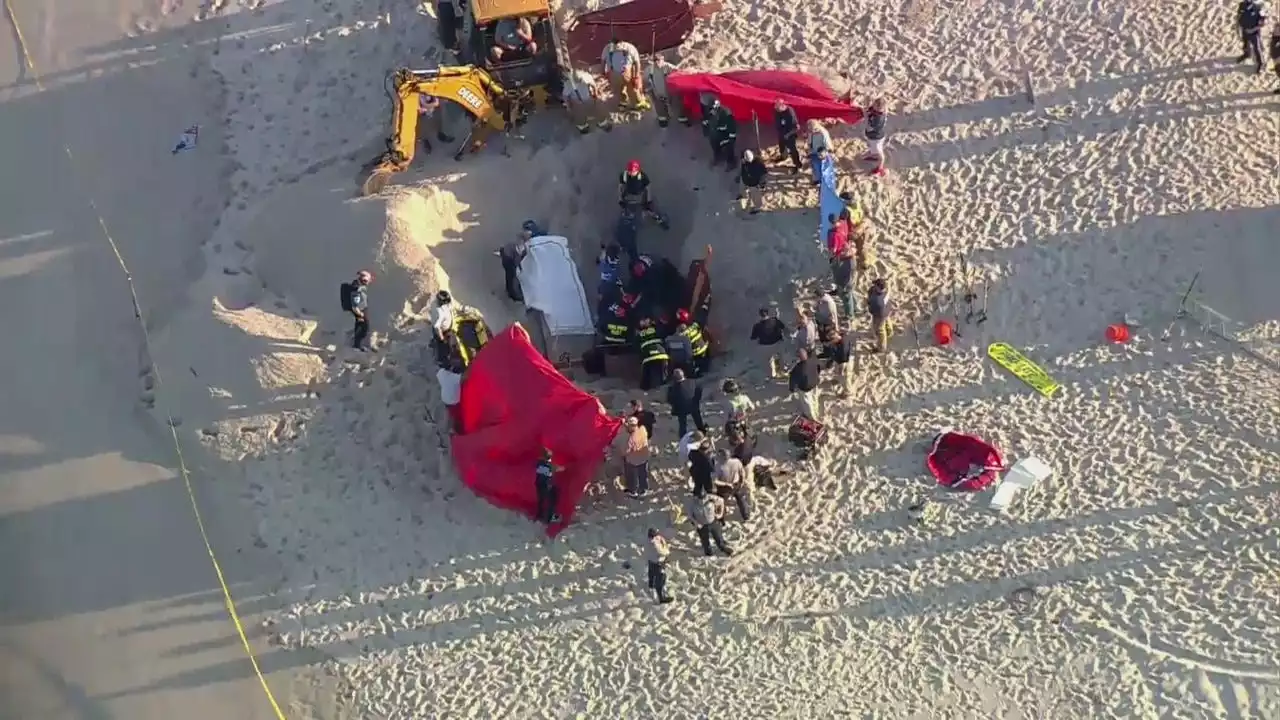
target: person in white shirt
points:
(582, 96)
(820, 146)
(656, 75)
(621, 61)
(431, 121)
(451, 396)
(442, 315)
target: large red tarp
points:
(747, 91)
(514, 404)
(651, 25)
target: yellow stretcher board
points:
(1028, 372)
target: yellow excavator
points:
(471, 88)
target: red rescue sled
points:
(748, 91)
(964, 462)
(651, 25)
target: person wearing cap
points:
(357, 303)
(443, 315)
(706, 512)
(635, 459)
(656, 74)
(655, 555)
(684, 395)
(544, 485)
(633, 187)
(787, 126)
(701, 468)
(820, 146)
(753, 174)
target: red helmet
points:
(638, 268)
(633, 167)
(628, 299)
(682, 316)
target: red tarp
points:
(514, 403)
(651, 25)
(744, 91)
(964, 462)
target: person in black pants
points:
(787, 126)
(545, 487)
(1249, 20)
(701, 469)
(656, 556)
(357, 303)
(447, 25)
(684, 395)
(724, 137)
(706, 511)
(1275, 51)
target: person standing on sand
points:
(768, 332)
(544, 479)
(656, 556)
(787, 126)
(701, 469)
(803, 380)
(875, 134)
(806, 333)
(1275, 51)
(820, 146)
(621, 61)
(582, 97)
(826, 314)
(635, 460)
(356, 302)
(753, 174)
(706, 511)
(431, 121)
(1250, 20)
(881, 312)
(684, 395)
(646, 418)
(656, 74)
(731, 475)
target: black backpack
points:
(346, 288)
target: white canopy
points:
(550, 281)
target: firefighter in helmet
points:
(701, 346)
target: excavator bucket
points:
(651, 25)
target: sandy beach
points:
(1139, 581)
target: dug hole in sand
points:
(350, 456)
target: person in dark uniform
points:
(787, 126)
(1249, 20)
(724, 137)
(544, 479)
(653, 355)
(633, 187)
(357, 303)
(706, 510)
(680, 352)
(701, 468)
(615, 331)
(697, 341)
(684, 395)
(609, 266)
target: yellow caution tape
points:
(177, 445)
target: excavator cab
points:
(488, 26)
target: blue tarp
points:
(829, 202)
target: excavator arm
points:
(471, 88)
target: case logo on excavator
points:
(470, 98)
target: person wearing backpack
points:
(355, 300)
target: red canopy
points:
(744, 91)
(514, 403)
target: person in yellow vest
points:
(697, 339)
(653, 355)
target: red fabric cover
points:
(952, 456)
(514, 403)
(743, 91)
(650, 25)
